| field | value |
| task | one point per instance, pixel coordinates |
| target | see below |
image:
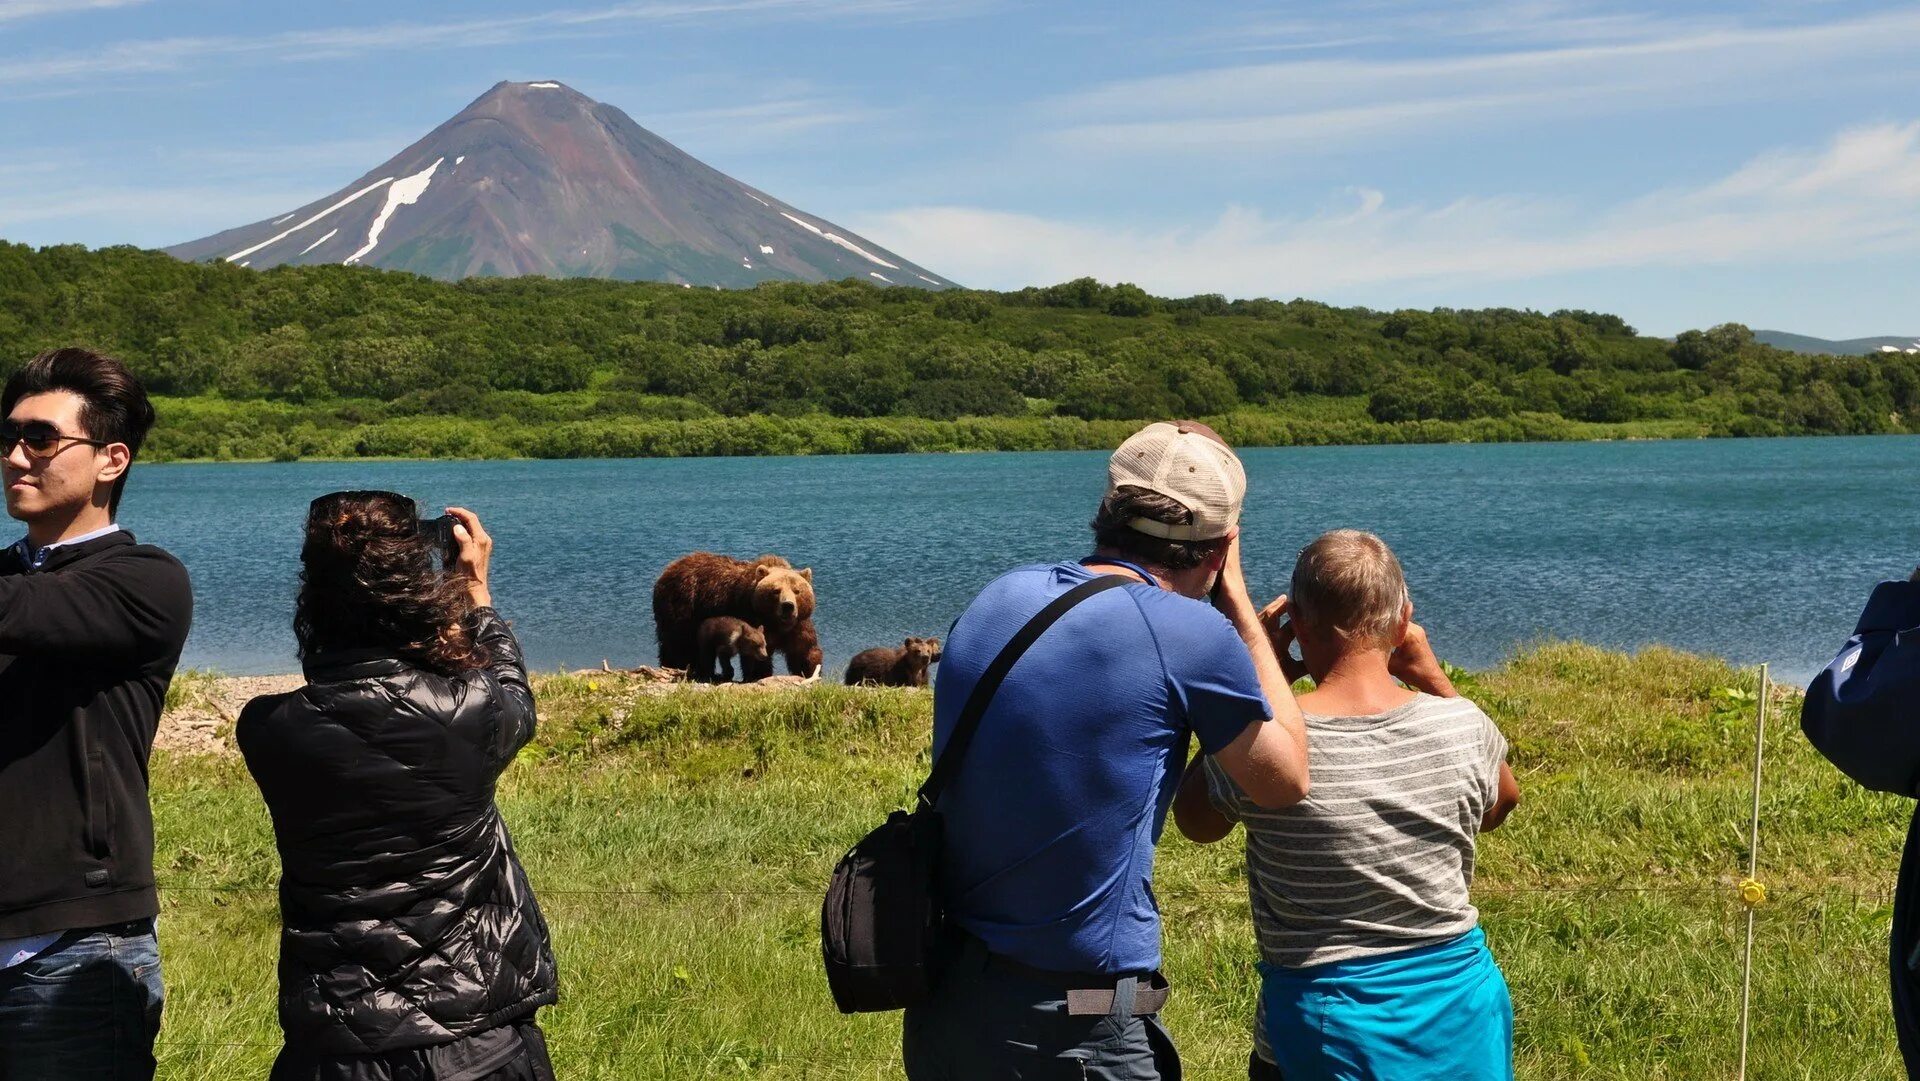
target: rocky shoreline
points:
(205, 707)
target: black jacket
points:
(1863, 714)
(406, 920)
(88, 644)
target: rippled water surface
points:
(1752, 549)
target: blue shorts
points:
(1438, 1012)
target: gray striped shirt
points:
(1379, 856)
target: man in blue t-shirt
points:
(1051, 820)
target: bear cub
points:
(723, 638)
(903, 667)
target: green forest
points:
(339, 362)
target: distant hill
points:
(1853, 347)
(536, 178)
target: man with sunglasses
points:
(91, 627)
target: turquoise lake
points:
(1756, 550)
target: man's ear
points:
(1217, 559)
(119, 458)
(1406, 620)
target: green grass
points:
(679, 845)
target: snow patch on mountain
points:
(321, 241)
(459, 159)
(404, 192)
(882, 277)
(840, 240)
(277, 221)
(860, 251)
(929, 281)
(766, 249)
(808, 226)
(543, 86)
(282, 236)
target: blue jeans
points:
(985, 1024)
(86, 1009)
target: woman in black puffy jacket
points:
(410, 946)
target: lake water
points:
(1751, 549)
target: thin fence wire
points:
(1807, 888)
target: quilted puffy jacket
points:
(406, 919)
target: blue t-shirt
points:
(1052, 818)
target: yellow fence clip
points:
(1752, 893)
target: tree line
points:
(302, 361)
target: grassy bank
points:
(679, 844)
(583, 426)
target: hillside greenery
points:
(679, 843)
(348, 361)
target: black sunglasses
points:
(41, 439)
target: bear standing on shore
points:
(903, 667)
(723, 638)
(768, 593)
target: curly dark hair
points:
(368, 579)
(1127, 502)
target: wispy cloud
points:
(756, 124)
(160, 213)
(11, 10)
(164, 55)
(1857, 196)
(1475, 22)
(1322, 101)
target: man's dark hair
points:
(115, 408)
(1112, 532)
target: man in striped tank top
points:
(1373, 965)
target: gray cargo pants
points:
(988, 1024)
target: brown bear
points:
(768, 593)
(723, 638)
(903, 667)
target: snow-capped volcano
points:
(536, 178)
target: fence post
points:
(1751, 892)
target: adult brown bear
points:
(768, 593)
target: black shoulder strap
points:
(983, 691)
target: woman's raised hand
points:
(476, 552)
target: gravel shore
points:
(202, 720)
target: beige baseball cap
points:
(1188, 463)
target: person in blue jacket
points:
(1863, 714)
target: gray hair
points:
(1350, 582)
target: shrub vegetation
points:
(348, 361)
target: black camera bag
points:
(883, 933)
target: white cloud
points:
(1858, 196)
(162, 55)
(27, 9)
(1313, 103)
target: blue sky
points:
(1682, 164)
